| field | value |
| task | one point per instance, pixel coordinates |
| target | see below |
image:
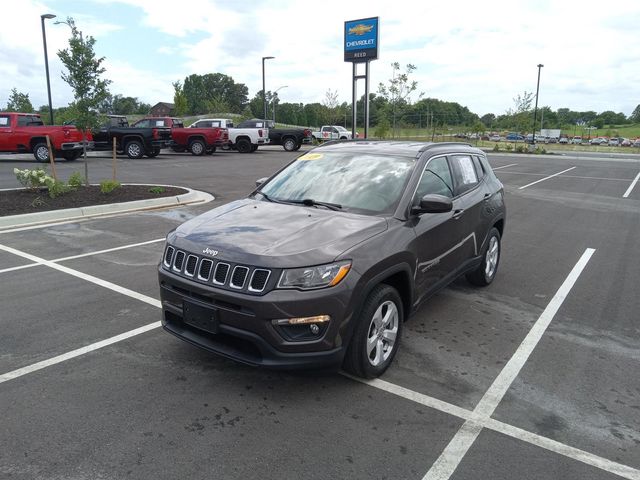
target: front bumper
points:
(243, 327)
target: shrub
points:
(57, 188)
(76, 180)
(520, 149)
(32, 179)
(508, 147)
(108, 186)
(496, 148)
(157, 190)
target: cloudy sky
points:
(479, 54)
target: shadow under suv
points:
(324, 261)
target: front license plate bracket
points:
(202, 317)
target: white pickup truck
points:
(244, 140)
(331, 132)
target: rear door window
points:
(464, 173)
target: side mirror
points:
(433, 203)
(260, 181)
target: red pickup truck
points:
(26, 133)
(199, 140)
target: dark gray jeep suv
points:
(325, 260)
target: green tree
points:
(180, 104)
(19, 102)
(84, 76)
(399, 89)
(635, 116)
(214, 89)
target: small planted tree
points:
(84, 76)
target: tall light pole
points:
(275, 97)
(48, 16)
(535, 110)
(264, 92)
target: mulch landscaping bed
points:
(17, 202)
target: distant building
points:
(162, 109)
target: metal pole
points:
(354, 100)
(46, 62)
(535, 110)
(264, 92)
(366, 100)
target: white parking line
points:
(474, 420)
(633, 184)
(505, 166)
(457, 448)
(546, 178)
(89, 254)
(76, 353)
(84, 276)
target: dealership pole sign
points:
(361, 40)
(360, 46)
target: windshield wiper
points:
(310, 202)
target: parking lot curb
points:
(27, 219)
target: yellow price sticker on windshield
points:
(311, 156)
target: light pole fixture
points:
(275, 97)
(47, 16)
(535, 110)
(264, 92)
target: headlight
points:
(315, 277)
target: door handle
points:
(458, 213)
(487, 196)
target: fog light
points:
(315, 329)
(302, 320)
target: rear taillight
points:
(260, 133)
(307, 132)
(66, 133)
(155, 133)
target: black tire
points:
(211, 150)
(254, 148)
(297, 147)
(289, 144)
(71, 156)
(178, 148)
(243, 145)
(134, 149)
(197, 147)
(153, 153)
(385, 301)
(486, 271)
(41, 152)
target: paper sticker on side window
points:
(467, 170)
(4, 121)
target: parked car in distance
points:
(135, 142)
(563, 140)
(599, 141)
(331, 132)
(576, 140)
(199, 140)
(291, 139)
(636, 143)
(26, 133)
(614, 142)
(494, 138)
(626, 142)
(244, 140)
(321, 264)
(514, 137)
(169, 122)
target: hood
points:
(275, 235)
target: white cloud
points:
(477, 54)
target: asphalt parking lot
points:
(533, 377)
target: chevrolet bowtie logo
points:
(360, 29)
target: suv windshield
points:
(363, 182)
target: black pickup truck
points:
(291, 139)
(134, 141)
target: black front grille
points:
(168, 255)
(190, 269)
(239, 276)
(205, 269)
(222, 270)
(259, 280)
(177, 263)
(228, 276)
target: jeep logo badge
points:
(208, 251)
